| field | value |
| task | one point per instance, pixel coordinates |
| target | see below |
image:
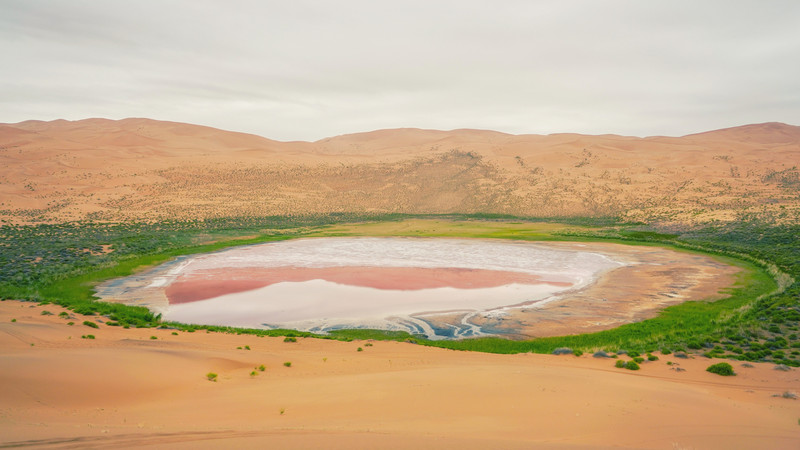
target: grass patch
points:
(211, 376)
(750, 325)
(723, 369)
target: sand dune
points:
(124, 389)
(147, 169)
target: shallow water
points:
(320, 305)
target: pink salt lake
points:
(322, 284)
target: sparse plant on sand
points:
(87, 336)
(723, 369)
(46, 313)
(90, 324)
(211, 376)
(153, 337)
(174, 333)
(288, 364)
(13, 320)
(359, 349)
(290, 339)
(247, 347)
(253, 373)
(262, 368)
(63, 314)
(630, 365)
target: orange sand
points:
(210, 284)
(124, 389)
(150, 170)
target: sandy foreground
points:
(125, 389)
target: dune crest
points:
(143, 169)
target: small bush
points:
(359, 349)
(262, 368)
(652, 357)
(13, 320)
(90, 324)
(638, 360)
(600, 354)
(681, 355)
(577, 353)
(665, 351)
(368, 344)
(631, 365)
(619, 364)
(723, 369)
(782, 367)
(253, 373)
(46, 313)
(211, 376)
(748, 365)
(288, 364)
(63, 314)
(70, 323)
(153, 337)
(633, 354)
(290, 339)
(247, 347)
(562, 351)
(87, 336)
(174, 333)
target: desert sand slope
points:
(145, 169)
(126, 389)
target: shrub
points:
(600, 354)
(288, 364)
(359, 349)
(211, 376)
(90, 324)
(262, 368)
(253, 373)
(631, 365)
(87, 336)
(13, 320)
(619, 364)
(633, 354)
(665, 351)
(153, 337)
(723, 369)
(247, 347)
(652, 357)
(290, 339)
(782, 367)
(562, 351)
(577, 352)
(638, 360)
(46, 313)
(174, 333)
(63, 314)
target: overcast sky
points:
(304, 70)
